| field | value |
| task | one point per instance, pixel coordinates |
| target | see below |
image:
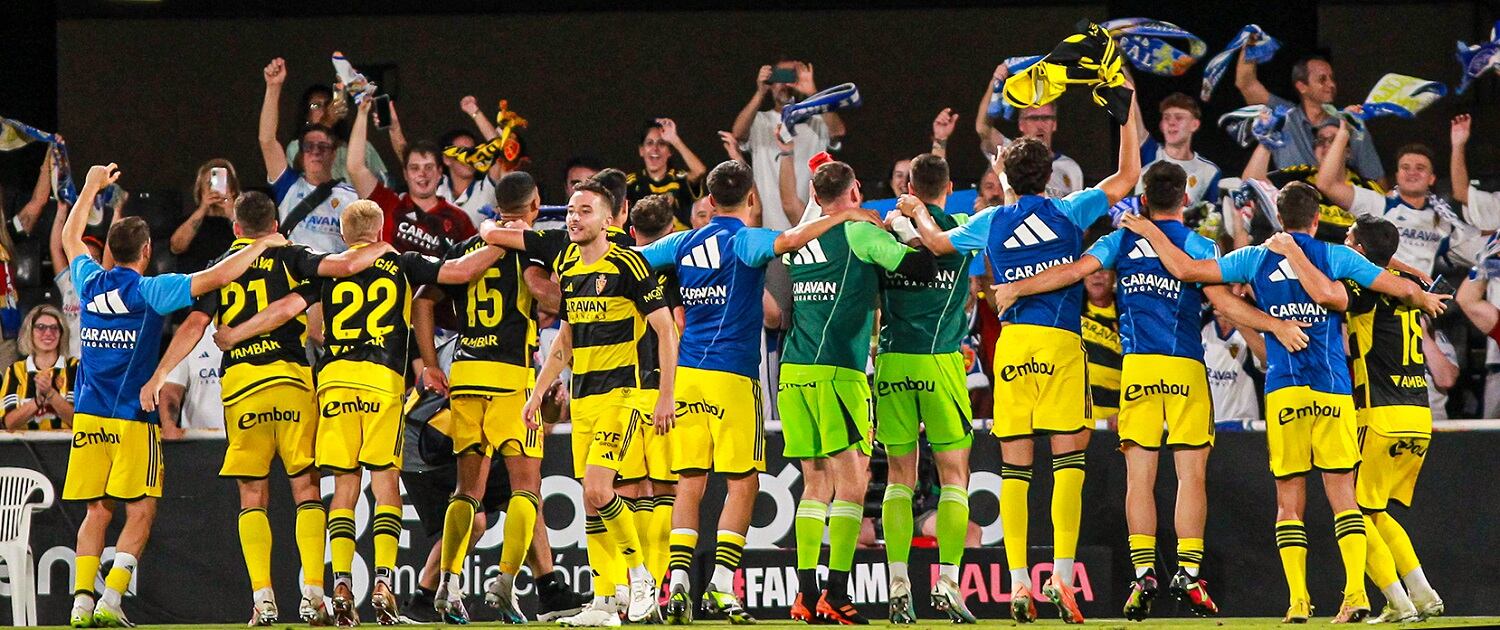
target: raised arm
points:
(1054, 278)
(271, 150)
(55, 237)
(1178, 263)
(397, 137)
(1259, 163)
(1470, 298)
(990, 138)
(279, 312)
(359, 173)
(41, 193)
(225, 271)
(1248, 82)
(1242, 313)
(695, 167)
(747, 113)
(183, 341)
(942, 129)
(544, 290)
(1458, 164)
(808, 87)
(792, 205)
(470, 106)
(1327, 292)
(466, 269)
(1122, 183)
(353, 260)
(78, 216)
(1331, 180)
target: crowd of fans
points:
(330, 157)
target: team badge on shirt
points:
(599, 283)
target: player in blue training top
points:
(721, 273)
(1042, 385)
(116, 452)
(1163, 377)
(1310, 421)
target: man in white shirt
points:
(756, 132)
(1036, 122)
(1180, 118)
(191, 397)
(1225, 352)
(290, 184)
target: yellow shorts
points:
(1389, 470)
(653, 460)
(115, 459)
(721, 425)
(1158, 390)
(1306, 429)
(358, 427)
(280, 420)
(606, 428)
(489, 425)
(1041, 382)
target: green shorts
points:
(926, 390)
(824, 410)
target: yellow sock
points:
(458, 525)
(1398, 542)
(85, 571)
(520, 524)
(255, 543)
(1142, 553)
(312, 525)
(341, 541)
(1015, 482)
(682, 543)
(661, 535)
(1067, 502)
(1291, 542)
(1190, 554)
(600, 559)
(641, 509)
(1349, 527)
(1379, 564)
(619, 520)
(386, 527)
(119, 577)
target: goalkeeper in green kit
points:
(920, 386)
(823, 396)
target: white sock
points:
(605, 602)
(1396, 597)
(265, 595)
(1191, 571)
(898, 571)
(455, 585)
(1416, 581)
(1020, 576)
(949, 571)
(1063, 567)
(312, 592)
(83, 600)
(723, 580)
(1141, 571)
(680, 578)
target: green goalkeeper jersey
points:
(834, 292)
(927, 316)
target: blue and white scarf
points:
(1253, 124)
(1146, 43)
(1258, 51)
(998, 107)
(1479, 59)
(1402, 96)
(836, 98)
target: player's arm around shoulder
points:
(233, 266)
(1178, 263)
(350, 261)
(279, 312)
(876, 246)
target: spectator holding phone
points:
(755, 129)
(209, 230)
(658, 177)
(39, 388)
(308, 197)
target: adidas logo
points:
(1030, 232)
(108, 304)
(705, 255)
(1142, 249)
(1283, 272)
(810, 254)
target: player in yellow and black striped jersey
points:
(367, 332)
(1395, 422)
(609, 296)
(269, 407)
(1101, 341)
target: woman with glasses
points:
(39, 388)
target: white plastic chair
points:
(18, 487)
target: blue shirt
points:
(1028, 237)
(1159, 314)
(121, 317)
(1322, 366)
(721, 273)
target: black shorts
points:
(428, 493)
